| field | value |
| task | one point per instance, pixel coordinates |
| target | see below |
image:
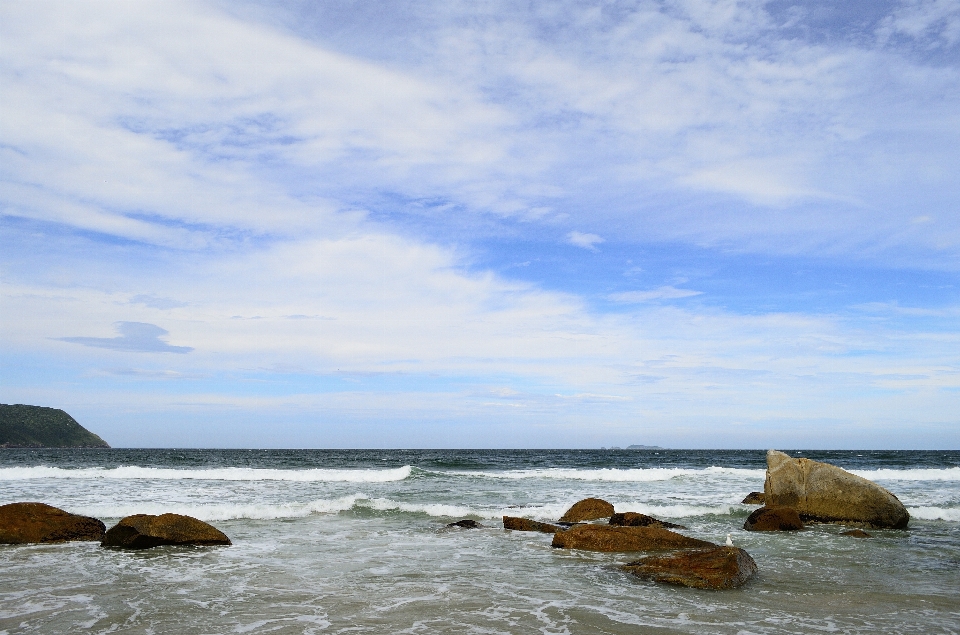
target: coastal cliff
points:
(24, 426)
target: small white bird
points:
(729, 540)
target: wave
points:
(919, 474)
(357, 502)
(130, 472)
(935, 513)
(637, 475)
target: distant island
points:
(635, 447)
(24, 426)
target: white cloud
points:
(660, 293)
(587, 241)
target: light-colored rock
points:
(821, 492)
(143, 531)
(588, 509)
(718, 568)
(24, 523)
(612, 538)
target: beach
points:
(338, 541)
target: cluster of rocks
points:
(690, 561)
(799, 491)
(25, 523)
(796, 491)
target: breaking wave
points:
(130, 472)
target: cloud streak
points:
(135, 337)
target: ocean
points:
(338, 541)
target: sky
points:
(484, 224)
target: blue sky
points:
(484, 224)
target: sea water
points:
(356, 542)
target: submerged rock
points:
(718, 568)
(754, 498)
(821, 492)
(588, 509)
(773, 519)
(143, 531)
(466, 523)
(856, 533)
(612, 538)
(23, 523)
(525, 524)
(634, 519)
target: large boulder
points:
(821, 492)
(22, 523)
(634, 519)
(717, 568)
(142, 531)
(612, 538)
(773, 519)
(525, 524)
(588, 509)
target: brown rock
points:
(633, 519)
(821, 492)
(773, 519)
(525, 524)
(753, 498)
(717, 568)
(856, 533)
(22, 523)
(611, 538)
(588, 509)
(142, 531)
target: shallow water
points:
(355, 541)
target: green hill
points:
(39, 427)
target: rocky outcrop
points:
(634, 519)
(856, 533)
(717, 568)
(525, 524)
(466, 523)
(588, 509)
(611, 538)
(143, 531)
(753, 498)
(22, 523)
(821, 492)
(773, 519)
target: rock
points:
(466, 523)
(821, 492)
(856, 533)
(718, 568)
(753, 498)
(142, 531)
(612, 538)
(588, 509)
(633, 519)
(22, 523)
(773, 519)
(525, 524)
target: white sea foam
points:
(918, 474)
(225, 511)
(935, 513)
(131, 472)
(636, 475)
